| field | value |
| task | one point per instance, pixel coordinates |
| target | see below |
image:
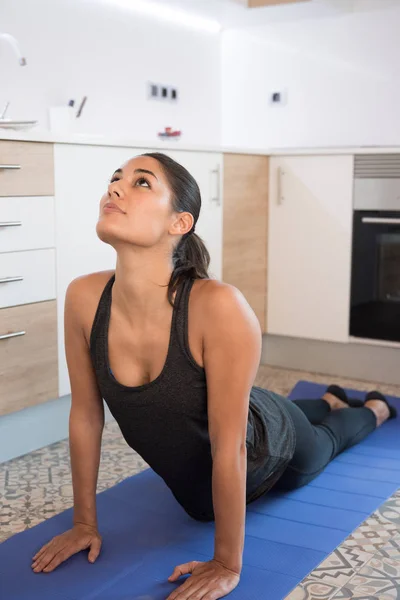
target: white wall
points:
(76, 48)
(342, 77)
(341, 74)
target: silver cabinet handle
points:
(10, 167)
(10, 279)
(11, 224)
(381, 220)
(280, 196)
(217, 197)
(7, 336)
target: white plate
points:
(16, 124)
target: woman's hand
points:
(207, 581)
(61, 547)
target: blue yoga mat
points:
(146, 533)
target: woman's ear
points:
(181, 224)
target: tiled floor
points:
(366, 566)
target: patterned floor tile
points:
(390, 510)
(391, 549)
(340, 566)
(372, 534)
(38, 486)
(312, 590)
(297, 594)
(379, 578)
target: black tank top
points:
(166, 420)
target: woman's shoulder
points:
(91, 282)
(224, 318)
(215, 298)
(207, 288)
(83, 296)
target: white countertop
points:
(37, 135)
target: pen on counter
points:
(78, 114)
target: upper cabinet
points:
(309, 246)
(245, 228)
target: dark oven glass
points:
(375, 279)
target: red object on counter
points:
(169, 132)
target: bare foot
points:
(380, 410)
(334, 402)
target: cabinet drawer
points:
(26, 223)
(27, 277)
(28, 362)
(26, 169)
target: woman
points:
(174, 354)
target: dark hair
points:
(191, 258)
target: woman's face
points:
(137, 206)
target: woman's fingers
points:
(94, 549)
(45, 559)
(45, 556)
(61, 547)
(181, 570)
(60, 557)
(190, 589)
(42, 549)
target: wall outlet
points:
(153, 90)
(159, 91)
(278, 98)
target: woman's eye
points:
(142, 182)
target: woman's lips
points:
(111, 207)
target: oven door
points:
(375, 280)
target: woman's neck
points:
(141, 281)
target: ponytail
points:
(191, 260)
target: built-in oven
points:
(375, 275)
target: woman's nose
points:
(113, 190)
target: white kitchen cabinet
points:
(27, 277)
(28, 223)
(81, 177)
(309, 247)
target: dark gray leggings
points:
(321, 434)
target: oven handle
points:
(381, 220)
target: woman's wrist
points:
(85, 517)
(82, 524)
(230, 562)
(85, 513)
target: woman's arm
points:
(231, 351)
(85, 428)
(86, 421)
(232, 348)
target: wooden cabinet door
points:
(28, 356)
(26, 168)
(245, 228)
(310, 231)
